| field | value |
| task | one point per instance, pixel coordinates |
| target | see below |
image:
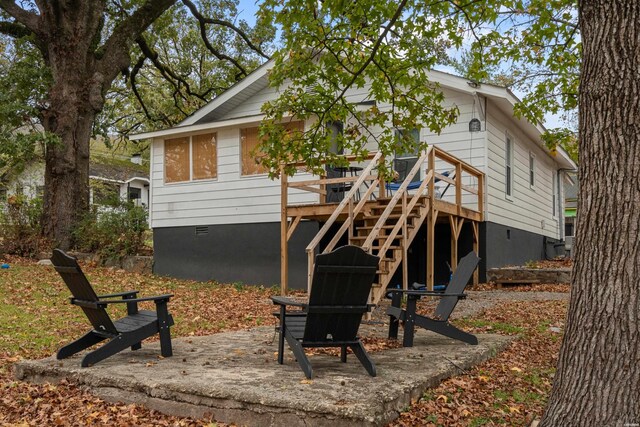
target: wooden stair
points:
(396, 250)
(384, 226)
(385, 229)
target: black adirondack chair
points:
(342, 280)
(440, 322)
(126, 332)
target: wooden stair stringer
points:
(384, 279)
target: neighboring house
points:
(27, 180)
(216, 215)
(110, 180)
(119, 179)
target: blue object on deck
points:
(394, 186)
(389, 294)
(420, 287)
(4, 266)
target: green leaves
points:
(364, 64)
(538, 42)
(174, 71)
(23, 85)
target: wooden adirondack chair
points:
(342, 280)
(126, 332)
(439, 323)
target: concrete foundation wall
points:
(501, 245)
(248, 253)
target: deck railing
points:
(347, 202)
(363, 190)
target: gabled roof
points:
(210, 115)
(119, 171)
(232, 97)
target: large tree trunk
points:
(76, 96)
(83, 67)
(67, 172)
(598, 378)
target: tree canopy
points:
(331, 51)
(90, 52)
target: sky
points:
(248, 9)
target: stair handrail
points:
(394, 201)
(399, 224)
(344, 203)
(352, 215)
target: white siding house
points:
(223, 224)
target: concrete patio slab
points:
(234, 378)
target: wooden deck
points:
(385, 223)
(322, 211)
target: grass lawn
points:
(36, 318)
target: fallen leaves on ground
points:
(36, 318)
(536, 287)
(510, 389)
(371, 344)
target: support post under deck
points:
(284, 250)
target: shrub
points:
(21, 226)
(112, 232)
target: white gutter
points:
(180, 130)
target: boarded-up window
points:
(178, 164)
(249, 152)
(205, 162)
(176, 160)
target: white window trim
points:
(508, 163)
(555, 203)
(190, 180)
(532, 169)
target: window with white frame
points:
(554, 201)
(406, 157)
(532, 170)
(508, 165)
(190, 158)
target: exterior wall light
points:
(475, 125)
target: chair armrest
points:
(425, 293)
(165, 297)
(118, 294)
(436, 294)
(288, 301)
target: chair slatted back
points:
(342, 281)
(81, 289)
(458, 283)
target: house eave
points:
(258, 76)
(189, 129)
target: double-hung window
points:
(508, 169)
(532, 170)
(554, 200)
(190, 158)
